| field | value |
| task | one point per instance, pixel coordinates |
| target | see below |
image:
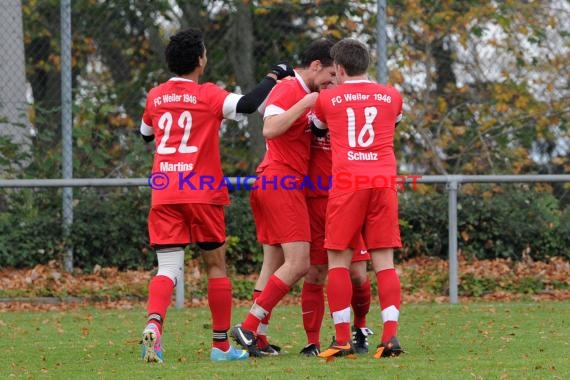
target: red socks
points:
(313, 310)
(220, 303)
(160, 292)
(339, 294)
(219, 299)
(361, 303)
(389, 292)
(274, 291)
(262, 340)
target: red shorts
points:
(317, 213)
(374, 212)
(280, 214)
(181, 224)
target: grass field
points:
(471, 341)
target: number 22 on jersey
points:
(165, 123)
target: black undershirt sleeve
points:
(317, 131)
(253, 99)
(147, 139)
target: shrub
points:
(30, 227)
(509, 224)
(244, 252)
(423, 224)
(110, 227)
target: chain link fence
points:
(485, 85)
(468, 85)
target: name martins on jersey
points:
(176, 167)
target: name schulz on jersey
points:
(362, 156)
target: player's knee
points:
(357, 278)
(214, 258)
(358, 274)
(215, 261)
(302, 268)
(209, 246)
(171, 263)
(316, 274)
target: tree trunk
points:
(443, 58)
(14, 123)
(241, 54)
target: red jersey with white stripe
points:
(361, 117)
(292, 147)
(320, 167)
(185, 118)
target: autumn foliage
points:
(423, 279)
(485, 88)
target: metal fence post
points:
(66, 130)
(381, 45)
(179, 297)
(452, 187)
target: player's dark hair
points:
(317, 50)
(184, 50)
(351, 54)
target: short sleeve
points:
(216, 97)
(146, 122)
(280, 99)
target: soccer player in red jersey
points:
(188, 192)
(278, 200)
(312, 294)
(361, 117)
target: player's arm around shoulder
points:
(398, 104)
(274, 125)
(251, 101)
(395, 95)
(318, 120)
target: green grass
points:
(471, 341)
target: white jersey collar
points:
(358, 81)
(302, 82)
(180, 79)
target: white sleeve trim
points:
(262, 106)
(318, 123)
(272, 110)
(146, 130)
(399, 118)
(230, 105)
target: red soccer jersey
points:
(292, 147)
(361, 117)
(185, 118)
(320, 167)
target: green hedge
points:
(490, 225)
(30, 227)
(110, 227)
(244, 252)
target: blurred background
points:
(485, 86)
